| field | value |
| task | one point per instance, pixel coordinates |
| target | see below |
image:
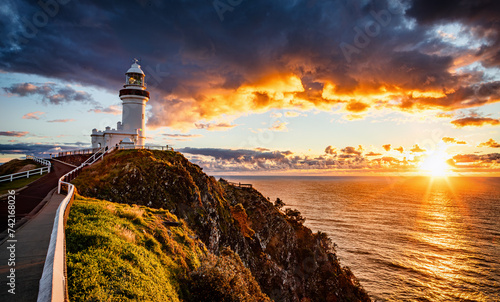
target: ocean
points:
(405, 238)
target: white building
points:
(131, 130)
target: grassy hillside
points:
(117, 252)
(15, 165)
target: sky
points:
(286, 87)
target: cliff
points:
(288, 261)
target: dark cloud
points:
(265, 54)
(50, 93)
(13, 133)
(331, 150)
(451, 140)
(351, 150)
(491, 143)
(38, 149)
(481, 17)
(373, 154)
(475, 122)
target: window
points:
(135, 79)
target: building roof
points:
(135, 68)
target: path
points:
(31, 197)
(32, 238)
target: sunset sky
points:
(256, 87)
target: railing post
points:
(27, 174)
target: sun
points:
(435, 164)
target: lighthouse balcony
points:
(137, 92)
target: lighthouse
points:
(134, 97)
(131, 130)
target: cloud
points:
(37, 148)
(451, 140)
(475, 162)
(199, 69)
(243, 160)
(50, 93)
(417, 149)
(373, 154)
(292, 114)
(33, 115)
(279, 126)
(113, 109)
(356, 106)
(475, 122)
(14, 133)
(61, 121)
(350, 150)
(491, 143)
(400, 149)
(182, 135)
(215, 126)
(387, 147)
(331, 150)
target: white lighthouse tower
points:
(134, 97)
(131, 130)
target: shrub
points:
(224, 279)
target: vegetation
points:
(224, 279)
(18, 183)
(279, 204)
(16, 165)
(294, 217)
(117, 252)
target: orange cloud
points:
(451, 140)
(387, 147)
(33, 115)
(491, 143)
(400, 149)
(356, 106)
(475, 122)
(417, 149)
(61, 121)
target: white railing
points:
(53, 286)
(66, 178)
(163, 148)
(76, 152)
(27, 174)
(39, 160)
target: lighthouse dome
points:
(135, 68)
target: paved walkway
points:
(32, 238)
(32, 242)
(29, 198)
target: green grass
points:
(18, 183)
(117, 252)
